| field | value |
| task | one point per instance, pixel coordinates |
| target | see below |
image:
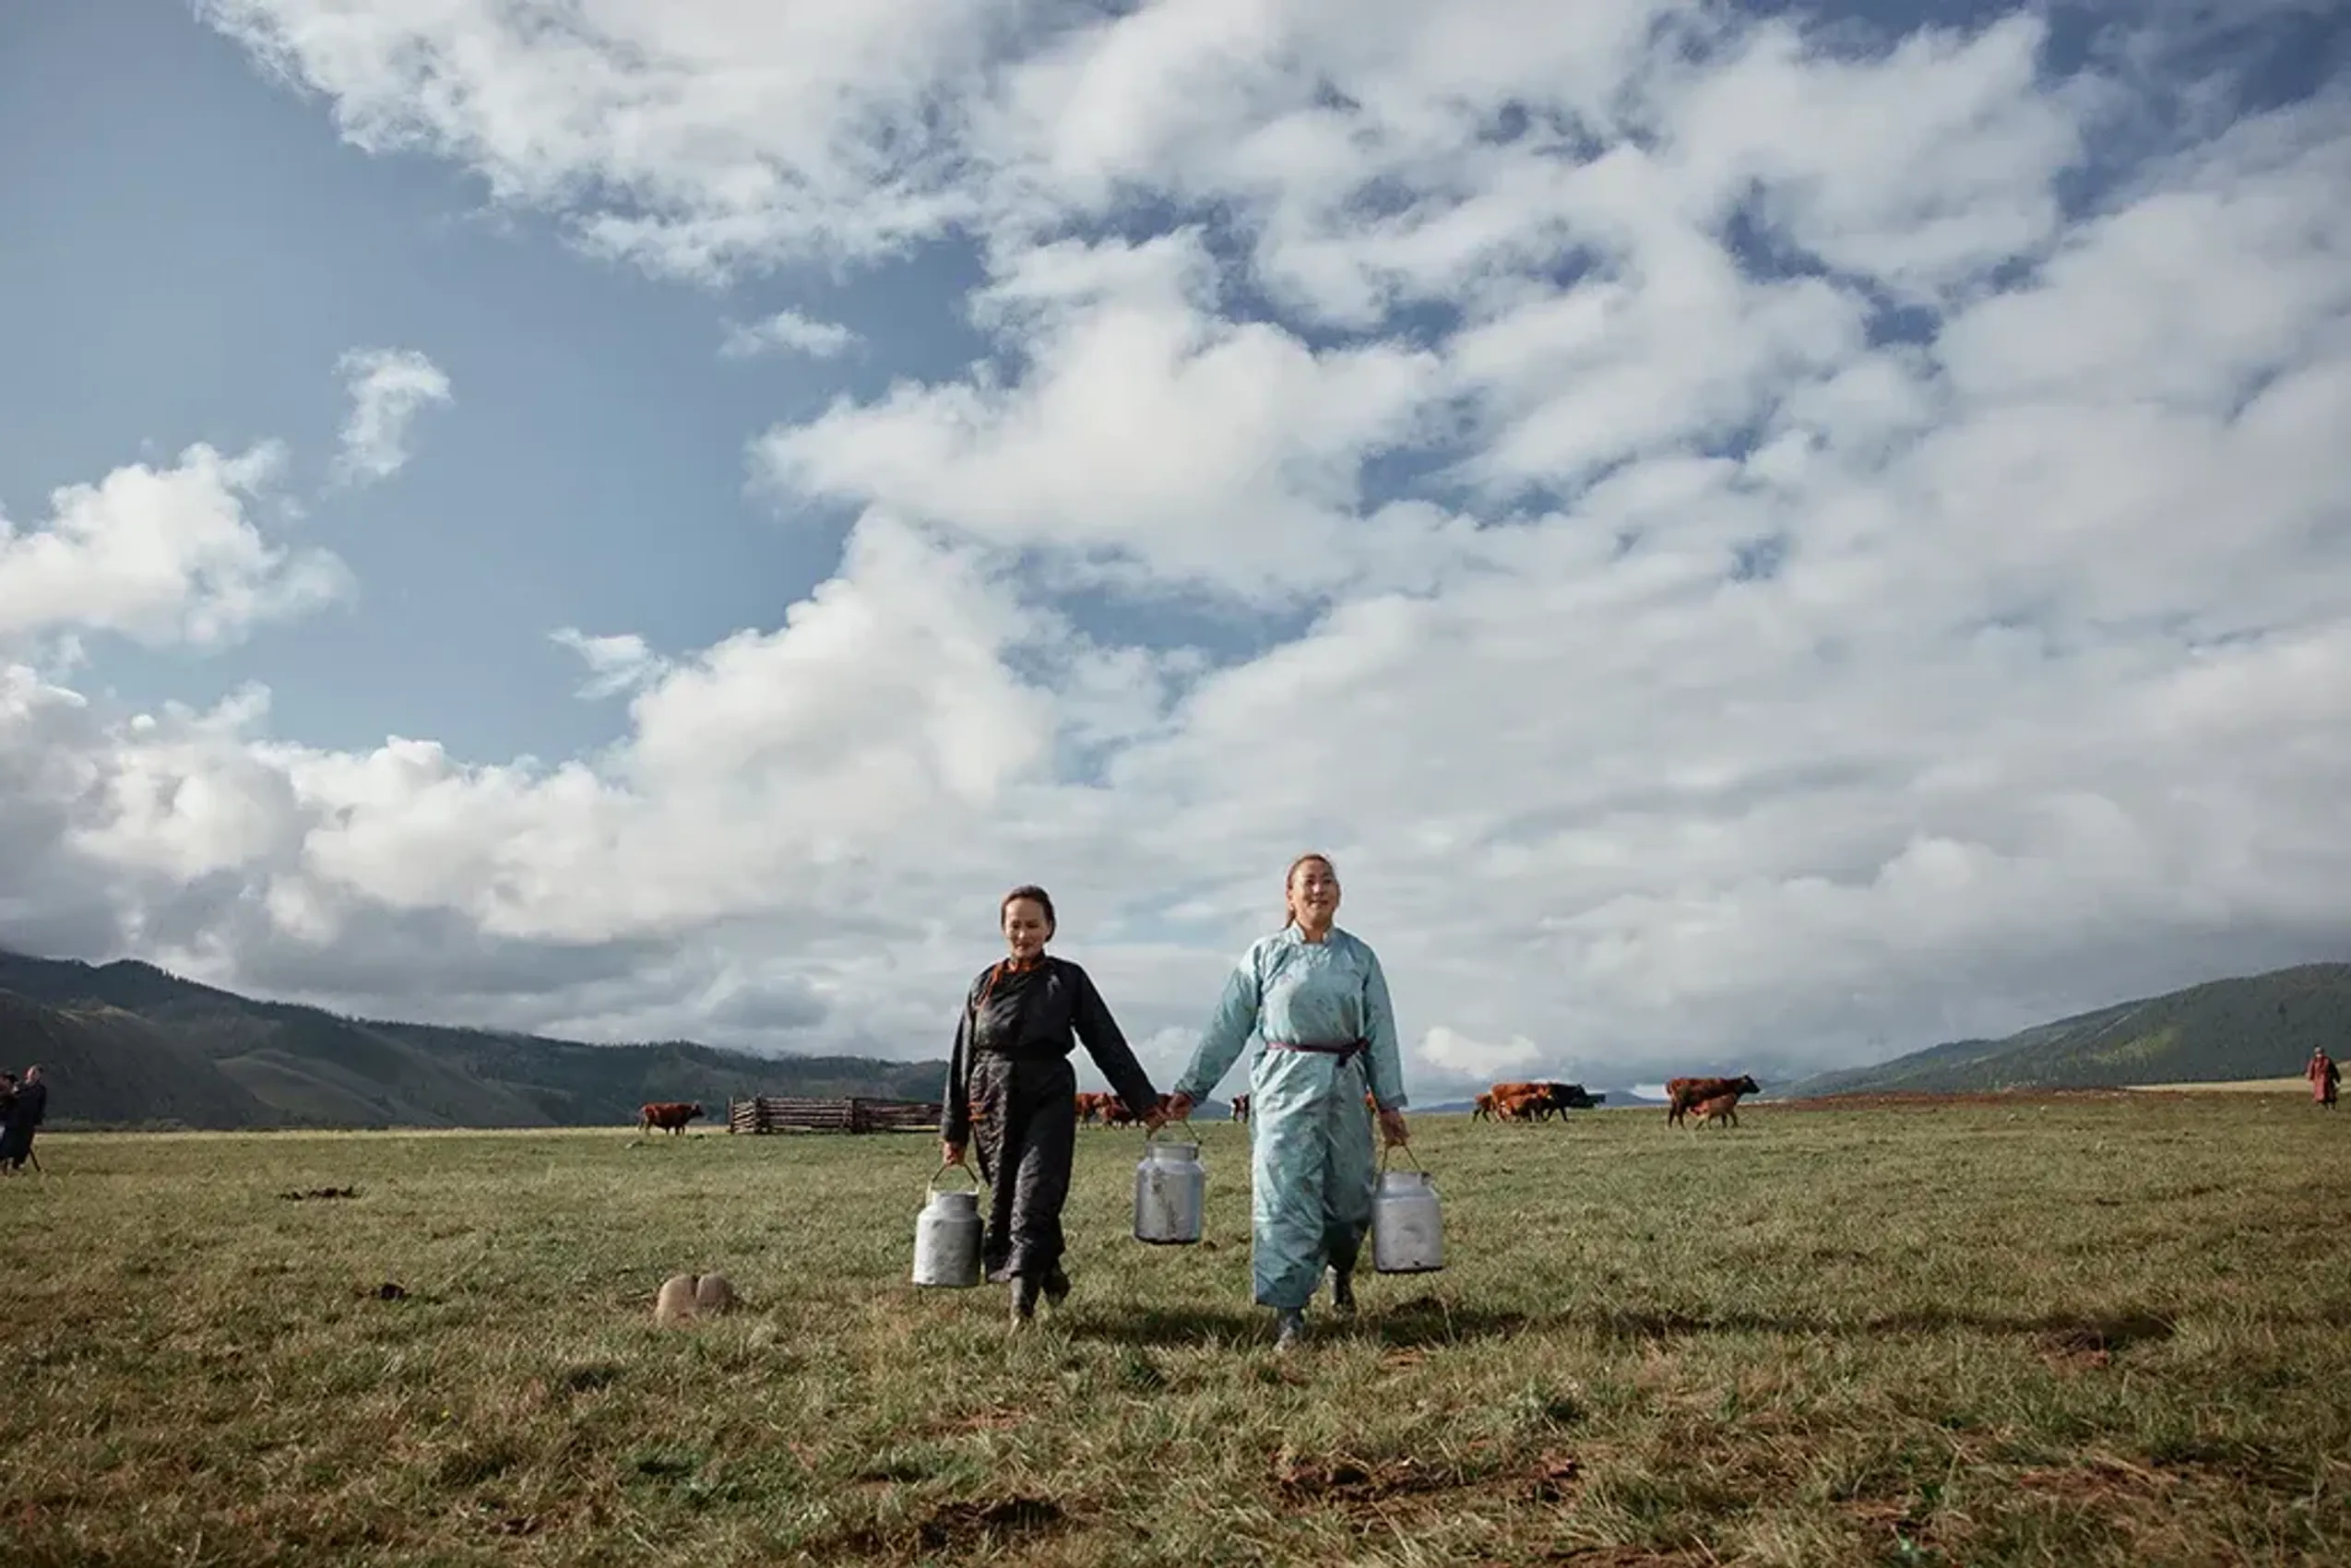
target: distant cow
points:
(1240, 1108)
(1482, 1107)
(669, 1115)
(1093, 1105)
(1683, 1095)
(1116, 1114)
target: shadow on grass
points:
(1423, 1321)
(1431, 1320)
(2104, 1330)
(1223, 1327)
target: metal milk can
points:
(946, 1237)
(1407, 1224)
(1171, 1186)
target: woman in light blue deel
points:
(1317, 998)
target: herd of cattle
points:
(1107, 1109)
(1715, 1099)
(1538, 1101)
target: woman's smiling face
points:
(1314, 893)
(1027, 928)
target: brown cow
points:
(1541, 1099)
(1240, 1108)
(1482, 1107)
(1092, 1104)
(1116, 1114)
(1519, 1102)
(671, 1115)
(1683, 1095)
(1722, 1109)
(1534, 1100)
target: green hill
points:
(121, 1068)
(2254, 1027)
(126, 1043)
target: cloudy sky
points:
(1761, 538)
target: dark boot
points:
(1056, 1287)
(1289, 1328)
(1343, 1291)
(1024, 1300)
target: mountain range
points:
(2259, 1026)
(128, 1044)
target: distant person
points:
(1010, 1082)
(2324, 1076)
(1317, 998)
(27, 1108)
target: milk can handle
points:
(933, 1185)
(1150, 1133)
(1386, 1149)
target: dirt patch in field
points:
(2078, 1344)
(2103, 1483)
(1345, 1477)
(962, 1526)
(1894, 1529)
(310, 1194)
(1554, 1474)
(1351, 1481)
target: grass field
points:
(2076, 1333)
(2235, 1086)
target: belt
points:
(1339, 1049)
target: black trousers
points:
(16, 1144)
(1024, 1133)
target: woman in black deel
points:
(1010, 1084)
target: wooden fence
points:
(777, 1113)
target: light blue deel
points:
(1313, 1170)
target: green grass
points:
(2081, 1334)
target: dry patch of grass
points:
(2231, 1085)
(2084, 1332)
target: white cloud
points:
(790, 332)
(1460, 1057)
(389, 388)
(160, 556)
(1150, 433)
(712, 135)
(2035, 703)
(615, 665)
